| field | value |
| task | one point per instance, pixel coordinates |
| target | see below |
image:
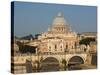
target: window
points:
(55, 47)
(61, 48)
(49, 48)
(66, 46)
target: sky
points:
(34, 18)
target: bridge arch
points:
(74, 63)
(50, 59)
(76, 59)
(50, 64)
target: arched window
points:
(75, 44)
(61, 47)
(49, 48)
(66, 46)
(55, 47)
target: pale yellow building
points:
(59, 36)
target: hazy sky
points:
(33, 18)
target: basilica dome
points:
(59, 20)
(59, 24)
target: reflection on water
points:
(74, 67)
(55, 67)
(50, 67)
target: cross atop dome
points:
(60, 14)
(59, 19)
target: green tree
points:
(87, 41)
(26, 48)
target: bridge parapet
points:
(59, 56)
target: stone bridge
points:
(59, 57)
(49, 61)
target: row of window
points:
(56, 47)
(61, 47)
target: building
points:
(88, 35)
(57, 48)
(59, 36)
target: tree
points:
(87, 41)
(26, 48)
